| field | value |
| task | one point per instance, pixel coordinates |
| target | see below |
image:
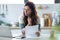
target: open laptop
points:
(5, 31)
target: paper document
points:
(30, 31)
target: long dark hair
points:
(33, 15)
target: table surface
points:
(43, 36)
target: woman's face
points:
(27, 11)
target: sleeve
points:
(38, 20)
(38, 23)
(21, 23)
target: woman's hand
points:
(23, 31)
(37, 33)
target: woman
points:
(29, 18)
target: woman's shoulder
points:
(21, 19)
(38, 19)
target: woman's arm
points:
(21, 23)
(39, 30)
(21, 26)
(38, 33)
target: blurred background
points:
(49, 17)
(49, 14)
(57, 1)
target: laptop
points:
(5, 31)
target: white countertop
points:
(43, 36)
(17, 32)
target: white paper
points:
(30, 31)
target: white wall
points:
(16, 10)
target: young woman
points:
(29, 17)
